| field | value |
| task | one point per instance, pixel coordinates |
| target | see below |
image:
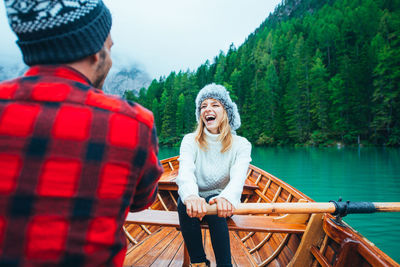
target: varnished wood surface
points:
(158, 245)
(344, 234)
(165, 248)
(313, 236)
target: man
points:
(73, 161)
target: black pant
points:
(191, 232)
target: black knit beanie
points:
(58, 31)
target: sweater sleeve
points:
(186, 179)
(233, 191)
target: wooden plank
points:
(173, 198)
(263, 224)
(261, 196)
(177, 260)
(322, 249)
(146, 245)
(276, 252)
(128, 235)
(277, 194)
(168, 176)
(312, 237)
(186, 256)
(266, 250)
(331, 251)
(261, 244)
(319, 257)
(167, 187)
(249, 244)
(367, 250)
(165, 258)
(348, 255)
(170, 165)
(155, 252)
(286, 254)
(250, 185)
(293, 218)
(294, 243)
(154, 217)
(162, 202)
(258, 179)
(236, 222)
(240, 254)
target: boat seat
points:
(271, 224)
(167, 182)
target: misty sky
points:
(163, 36)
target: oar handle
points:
(334, 207)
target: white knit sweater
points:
(205, 173)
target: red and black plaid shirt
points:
(73, 161)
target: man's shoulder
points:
(121, 106)
(7, 88)
(140, 113)
(67, 90)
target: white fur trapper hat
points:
(219, 93)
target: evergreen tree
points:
(180, 115)
(339, 109)
(220, 72)
(168, 128)
(156, 113)
(202, 74)
(298, 95)
(319, 94)
(386, 81)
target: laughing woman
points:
(213, 165)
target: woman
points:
(213, 165)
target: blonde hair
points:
(225, 135)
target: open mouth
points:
(210, 118)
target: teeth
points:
(210, 117)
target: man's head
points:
(59, 31)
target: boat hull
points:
(281, 240)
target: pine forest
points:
(314, 73)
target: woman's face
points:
(211, 112)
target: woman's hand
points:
(196, 206)
(224, 207)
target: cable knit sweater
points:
(205, 173)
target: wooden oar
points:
(335, 208)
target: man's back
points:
(72, 161)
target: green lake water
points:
(355, 174)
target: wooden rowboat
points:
(256, 240)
